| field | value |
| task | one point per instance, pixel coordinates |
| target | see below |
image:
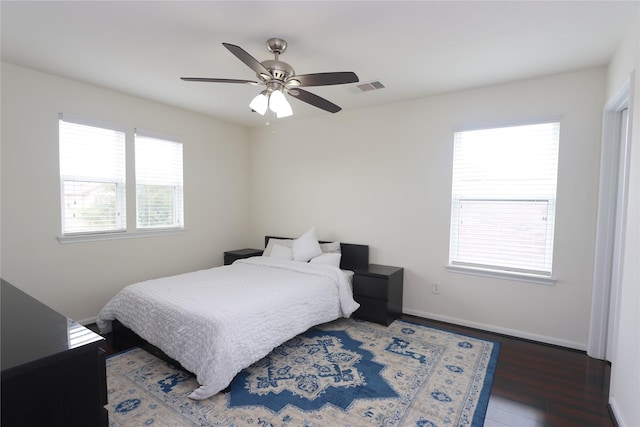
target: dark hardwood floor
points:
(539, 385)
(535, 385)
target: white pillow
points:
(332, 258)
(306, 246)
(280, 251)
(330, 247)
(282, 242)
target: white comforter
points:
(219, 321)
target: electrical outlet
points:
(435, 289)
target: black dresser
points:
(53, 369)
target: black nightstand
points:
(378, 290)
(231, 256)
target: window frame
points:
(494, 271)
(177, 187)
(128, 231)
(121, 203)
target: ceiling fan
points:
(280, 78)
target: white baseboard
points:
(462, 322)
(499, 330)
(615, 412)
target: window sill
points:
(80, 238)
(506, 275)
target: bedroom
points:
(364, 175)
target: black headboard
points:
(354, 257)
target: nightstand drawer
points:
(372, 310)
(372, 287)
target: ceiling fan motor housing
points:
(279, 70)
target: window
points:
(92, 176)
(159, 192)
(504, 198)
(93, 181)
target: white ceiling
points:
(415, 48)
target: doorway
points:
(610, 226)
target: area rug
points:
(344, 373)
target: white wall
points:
(625, 366)
(78, 279)
(379, 176)
(382, 176)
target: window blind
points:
(159, 181)
(503, 198)
(92, 175)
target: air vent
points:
(367, 87)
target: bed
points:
(218, 321)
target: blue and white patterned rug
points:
(344, 373)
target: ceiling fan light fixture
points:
(279, 104)
(260, 103)
(285, 110)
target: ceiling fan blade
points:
(249, 60)
(326, 79)
(314, 100)
(212, 80)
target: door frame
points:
(612, 197)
